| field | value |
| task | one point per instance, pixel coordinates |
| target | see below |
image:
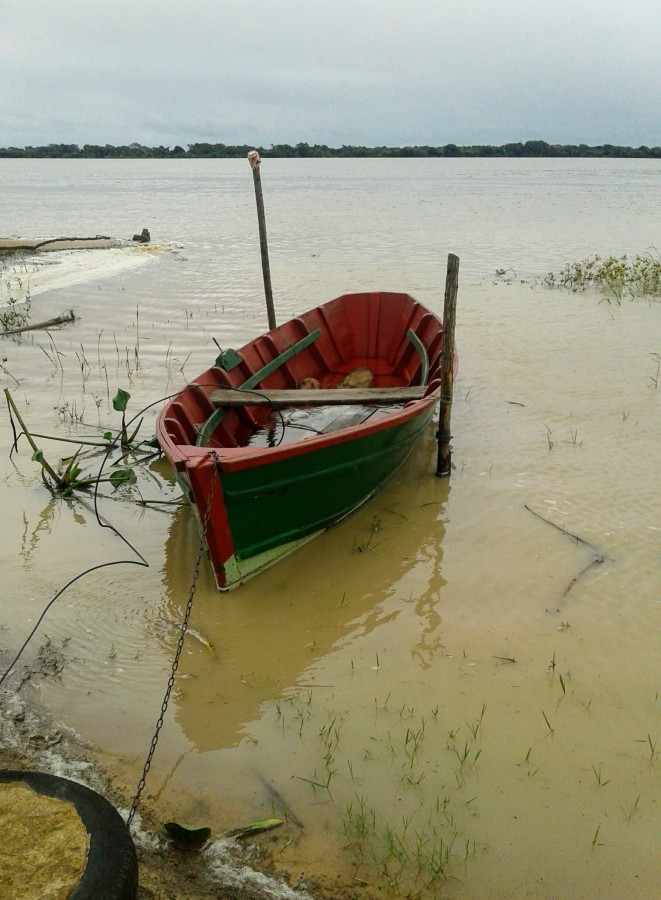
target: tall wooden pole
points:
(255, 162)
(443, 436)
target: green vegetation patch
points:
(616, 277)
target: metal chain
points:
(177, 655)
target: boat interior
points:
(389, 335)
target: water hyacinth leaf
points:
(38, 456)
(253, 828)
(122, 476)
(192, 835)
(107, 435)
(120, 400)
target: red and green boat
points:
(275, 442)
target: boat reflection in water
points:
(253, 645)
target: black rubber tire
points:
(112, 865)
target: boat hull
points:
(258, 504)
(267, 511)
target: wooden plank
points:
(323, 397)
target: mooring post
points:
(443, 435)
(255, 162)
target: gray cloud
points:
(359, 72)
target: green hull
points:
(272, 505)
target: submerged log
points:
(597, 559)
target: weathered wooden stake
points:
(255, 163)
(443, 436)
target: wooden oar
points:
(255, 162)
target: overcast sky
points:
(371, 72)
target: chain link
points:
(180, 645)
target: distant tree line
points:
(304, 150)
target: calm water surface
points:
(445, 680)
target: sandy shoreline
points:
(66, 263)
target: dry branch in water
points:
(596, 560)
(64, 319)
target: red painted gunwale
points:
(368, 329)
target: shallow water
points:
(447, 667)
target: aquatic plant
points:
(616, 277)
(14, 314)
(120, 403)
(49, 662)
(601, 781)
(413, 852)
(14, 295)
(69, 476)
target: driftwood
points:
(97, 237)
(569, 534)
(597, 558)
(9, 246)
(64, 319)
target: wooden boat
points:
(269, 461)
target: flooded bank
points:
(445, 695)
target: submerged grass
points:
(410, 849)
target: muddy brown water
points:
(446, 694)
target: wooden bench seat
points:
(323, 397)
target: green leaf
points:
(38, 456)
(120, 400)
(72, 471)
(191, 835)
(122, 476)
(107, 435)
(253, 828)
